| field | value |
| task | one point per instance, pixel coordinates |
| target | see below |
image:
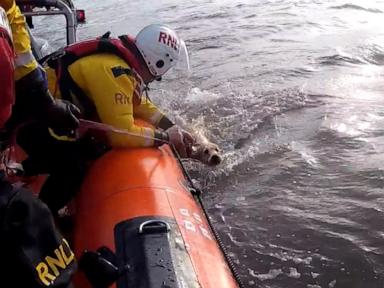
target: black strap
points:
(119, 70)
(105, 46)
(130, 46)
(106, 35)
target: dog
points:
(205, 151)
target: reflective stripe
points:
(4, 22)
(149, 137)
(155, 118)
(61, 138)
(24, 59)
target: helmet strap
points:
(129, 42)
(146, 89)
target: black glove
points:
(165, 123)
(62, 117)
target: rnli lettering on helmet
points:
(53, 265)
(168, 40)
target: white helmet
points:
(161, 49)
(4, 22)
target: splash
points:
(196, 96)
(305, 152)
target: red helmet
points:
(7, 81)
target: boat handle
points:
(154, 226)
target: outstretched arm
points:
(112, 88)
(148, 111)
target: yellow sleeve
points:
(53, 86)
(25, 61)
(111, 89)
(148, 111)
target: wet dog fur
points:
(205, 151)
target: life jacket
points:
(7, 81)
(122, 47)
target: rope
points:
(197, 195)
(87, 124)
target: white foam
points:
(299, 260)
(196, 95)
(305, 152)
(232, 159)
(272, 274)
(293, 273)
(314, 275)
(332, 284)
(343, 128)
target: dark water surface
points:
(293, 92)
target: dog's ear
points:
(215, 147)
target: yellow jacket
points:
(24, 62)
(113, 97)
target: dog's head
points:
(207, 153)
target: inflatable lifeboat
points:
(137, 224)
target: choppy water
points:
(293, 92)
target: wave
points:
(374, 54)
(370, 54)
(356, 7)
(250, 16)
(284, 40)
(339, 60)
(209, 47)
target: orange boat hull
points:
(126, 187)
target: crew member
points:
(33, 252)
(105, 78)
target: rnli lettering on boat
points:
(193, 223)
(168, 40)
(51, 268)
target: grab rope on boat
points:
(196, 192)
